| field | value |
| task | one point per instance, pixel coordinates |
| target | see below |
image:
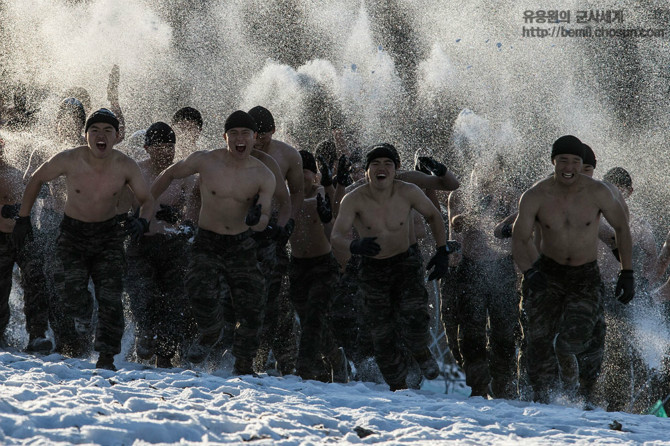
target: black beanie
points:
(240, 118)
(384, 150)
(567, 145)
(589, 156)
(72, 107)
(102, 115)
(159, 133)
(264, 119)
(308, 161)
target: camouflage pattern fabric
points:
(279, 332)
(155, 286)
(564, 329)
(484, 295)
(312, 285)
(223, 266)
(89, 250)
(396, 312)
(33, 282)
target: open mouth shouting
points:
(568, 175)
(101, 145)
(240, 148)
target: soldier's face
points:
(240, 141)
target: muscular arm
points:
(430, 182)
(340, 236)
(48, 171)
(615, 215)
(281, 194)
(296, 184)
(140, 188)
(499, 230)
(425, 207)
(265, 192)
(181, 169)
(523, 248)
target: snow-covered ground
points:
(53, 400)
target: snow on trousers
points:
(313, 282)
(36, 305)
(564, 328)
(396, 312)
(89, 250)
(225, 267)
(155, 285)
(484, 293)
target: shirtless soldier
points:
(90, 243)
(278, 333)
(381, 211)
(562, 301)
(236, 191)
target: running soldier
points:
(279, 328)
(563, 322)
(381, 212)
(90, 243)
(236, 191)
(313, 274)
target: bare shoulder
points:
(407, 189)
(285, 148)
(266, 159)
(356, 195)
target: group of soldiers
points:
(203, 246)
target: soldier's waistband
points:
(371, 261)
(73, 223)
(550, 266)
(307, 260)
(223, 239)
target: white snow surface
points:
(56, 401)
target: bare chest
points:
(389, 217)
(95, 185)
(228, 183)
(574, 214)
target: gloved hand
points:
(453, 246)
(168, 214)
(10, 210)
(23, 229)
(440, 262)
(429, 165)
(535, 279)
(625, 286)
(285, 232)
(343, 176)
(254, 213)
(324, 209)
(326, 172)
(136, 227)
(506, 231)
(365, 246)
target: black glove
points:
(343, 176)
(453, 246)
(429, 165)
(326, 172)
(506, 231)
(168, 214)
(535, 279)
(10, 210)
(365, 246)
(22, 229)
(440, 262)
(323, 209)
(625, 286)
(136, 227)
(254, 214)
(285, 232)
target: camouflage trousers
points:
(155, 286)
(95, 251)
(279, 332)
(564, 329)
(312, 284)
(225, 267)
(35, 299)
(349, 328)
(483, 309)
(396, 312)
